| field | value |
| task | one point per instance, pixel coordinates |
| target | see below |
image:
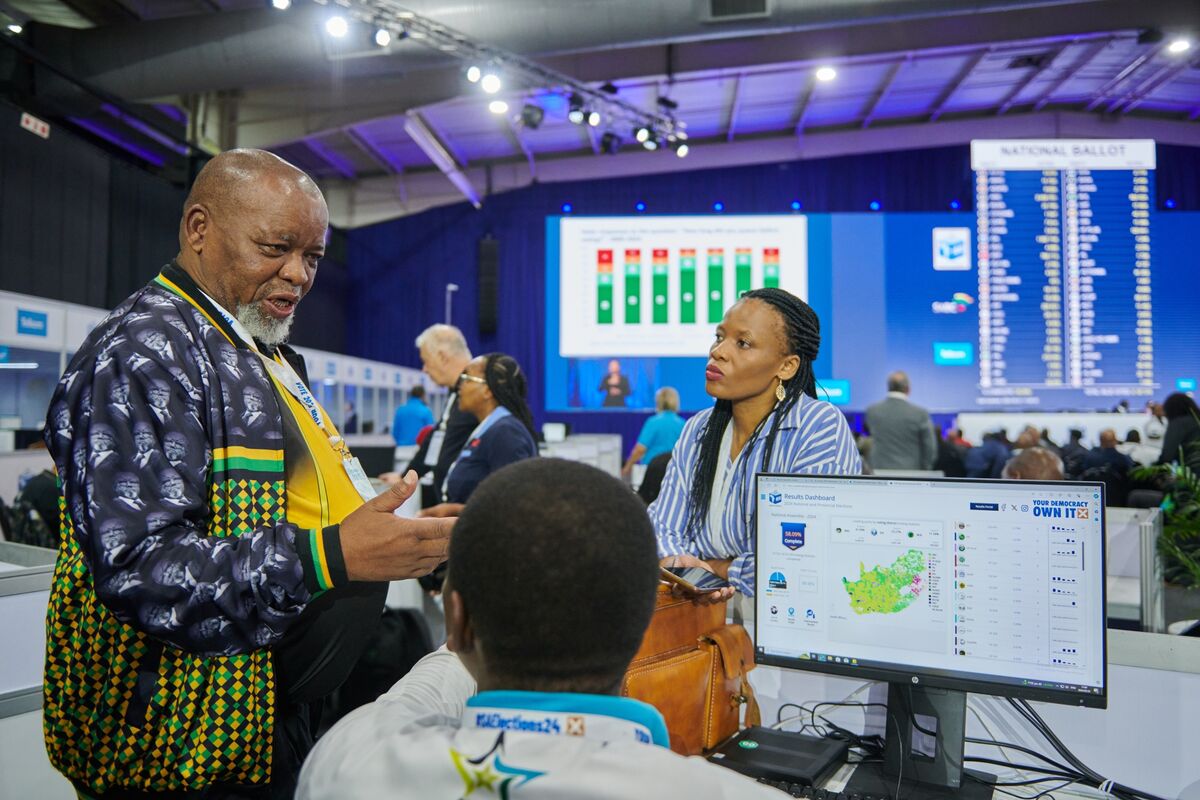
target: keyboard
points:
(812, 793)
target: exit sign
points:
(35, 126)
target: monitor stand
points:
(923, 747)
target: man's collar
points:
(636, 714)
(175, 280)
(898, 395)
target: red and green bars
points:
(716, 284)
(771, 267)
(741, 264)
(659, 286)
(687, 285)
(604, 287)
(633, 287)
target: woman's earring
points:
(780, 393)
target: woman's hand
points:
(442, 510)
(719, 568)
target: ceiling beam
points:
(1011, 98)
(1160, 79)
(431, 144)
(101, 12)
(939, 106)
(1195, 115)
(373, 151)
(331, 157)
(735, 105)
(1080, 64)
(212, 5)
(1104, 92)
(519, 141)
(803, 104)
(885, 89)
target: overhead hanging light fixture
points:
(337, 27)
(490, 83)
(498, 107)
(575, 112)
(474, 73)
(593, 118)
(532, 116)
(641, 133)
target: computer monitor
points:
(939, 587)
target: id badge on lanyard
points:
(288, 378)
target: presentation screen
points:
(1064, 290)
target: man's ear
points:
(460, 634)
(197, 224)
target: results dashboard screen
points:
(971, 580)
(1064, 289)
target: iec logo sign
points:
(951, 249)
(775, 498)
(958, 305)
(32, 323)
(793, 534)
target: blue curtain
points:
(399, 269)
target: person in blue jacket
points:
(411, 417)
(492, 389)
(659, 433)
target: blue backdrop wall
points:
(398, 270)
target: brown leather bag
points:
(692, 667)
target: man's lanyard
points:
(287, 377)
(498, 414)
(556, 723)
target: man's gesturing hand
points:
(379, 546)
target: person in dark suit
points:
(902, 433)
(615, 386)
(1183, 431)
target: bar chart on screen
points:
(659, 286)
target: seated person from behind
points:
(1107, 456)
(551, 585)
(492, 389)
(659, 433)
(1034, 464)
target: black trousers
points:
(314, 657)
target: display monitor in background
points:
(938, 587)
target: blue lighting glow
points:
(797, 205)
(640, 206)
(955, 205)
(718, 206)
(567, 208)
(1169, 202)
(874, 205)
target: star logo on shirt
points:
(490, 774)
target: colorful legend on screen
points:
(1063, 235)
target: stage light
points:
(593, 118)
(609, 88)
(610, 143)
(641, 134)
(567, 208)
(680, 148)
(718, 206)
(874, 205)
(532, 116)
(955, 205)
(826, 74)
(383, 37)
(498, 107)
(650, 144)
(337, 27)
(796, 205)
(1169, 202)
(575, 114)
(474, 73)
(1179, 45)
(281, 5)
(490, 83)
(15, 28)
(640, 206)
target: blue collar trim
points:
(607, 705)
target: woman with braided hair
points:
(766, 419)
(492, 388)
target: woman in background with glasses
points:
(492, 389)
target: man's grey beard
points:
(271, 332)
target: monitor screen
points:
(984, 586)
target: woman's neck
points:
(747, 414)
(486, 411)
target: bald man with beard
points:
(155, 684)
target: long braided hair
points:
(507, 383)
(802, 330)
